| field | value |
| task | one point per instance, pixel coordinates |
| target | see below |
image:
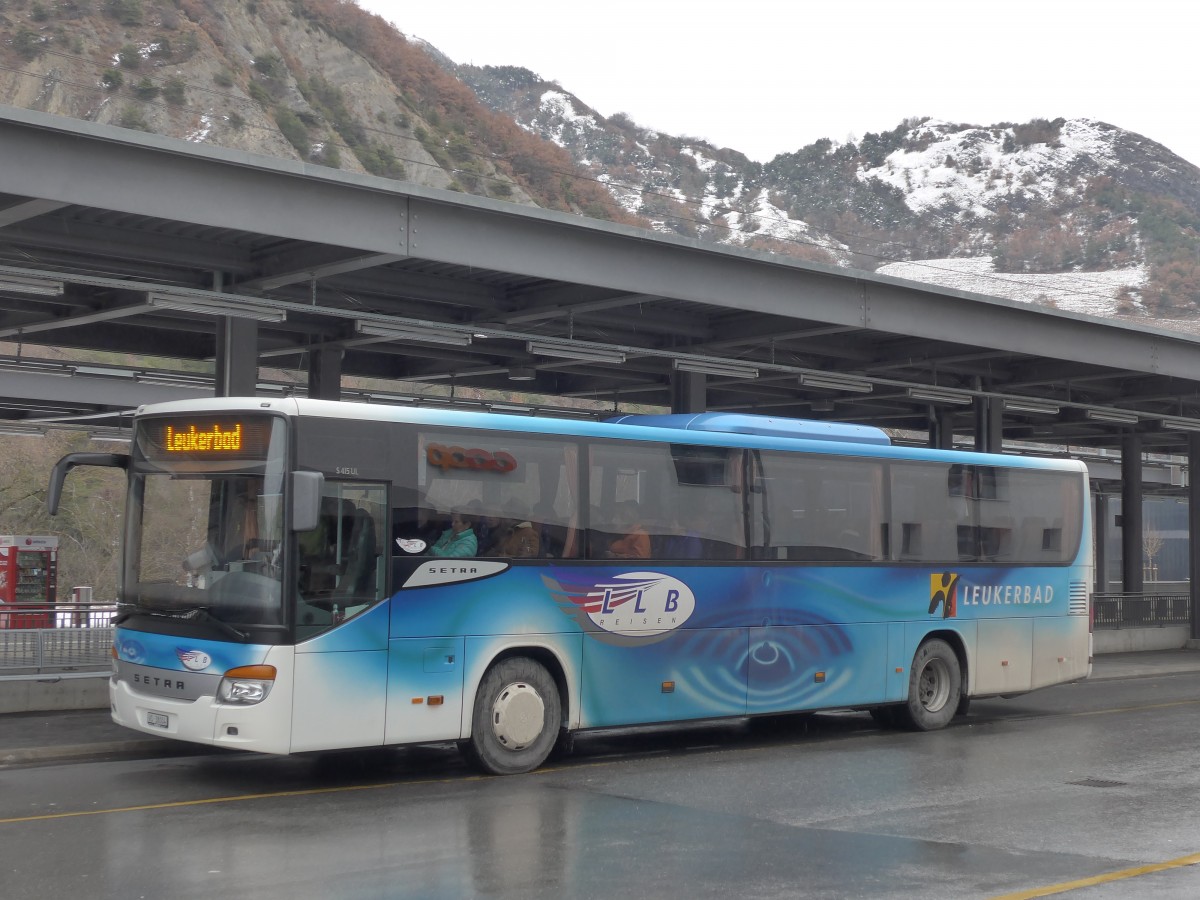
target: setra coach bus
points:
(306, 575)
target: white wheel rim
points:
(933, 687)
(518, 716)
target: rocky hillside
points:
(1077, 214)
(316, 80)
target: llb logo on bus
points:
(633, 606)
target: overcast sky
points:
(770, 76)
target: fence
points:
(1115, 611)
(59, 639)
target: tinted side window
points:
(942, 513)
(665, 502)
(821, 508)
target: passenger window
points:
(970, 513)
(676, 502)
(517, 494)
(821, 509)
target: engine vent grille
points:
(1078, 599)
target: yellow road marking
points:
(1123, 709)
(306, 792)
(1065, 886)
(177, 804)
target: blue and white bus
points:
(306, 575)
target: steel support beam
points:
(989, 425)
(237, 357)
(325, 373)
(69, 161)
(199, 185)
(1100, 523)
(1194, 531)
(98, 392)
(1131, 514)
(30, 209)
(688, 392)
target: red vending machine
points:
(28, 580)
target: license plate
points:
(157, 720)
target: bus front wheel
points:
(516, 718)
(934, 687)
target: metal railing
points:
(55, 639)
(1111, 611)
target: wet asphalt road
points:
(1098, 780)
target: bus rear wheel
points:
(516, 718)
(934, 687)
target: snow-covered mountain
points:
(1073, 213)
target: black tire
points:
(516, 719)
(934, 687)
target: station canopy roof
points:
(135, 244)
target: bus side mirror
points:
(58, 474)
(307, 488)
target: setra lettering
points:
(155, 681)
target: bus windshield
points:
(206, 529)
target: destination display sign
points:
(239, 437)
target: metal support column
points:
(941, 428)
(1100, 526)
(237, 357)
(325, 373)
(689, 393)
(236, 373)
(1131, 514)
(989, 425)
(1194, 530)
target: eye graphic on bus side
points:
(131, 651)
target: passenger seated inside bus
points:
(515, 537)
(634, 542)
(459, 539)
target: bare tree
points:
(1152, 544)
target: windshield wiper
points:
(195, 614)
(203, 614)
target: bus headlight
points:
(246, 685)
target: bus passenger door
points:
(341, 627)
